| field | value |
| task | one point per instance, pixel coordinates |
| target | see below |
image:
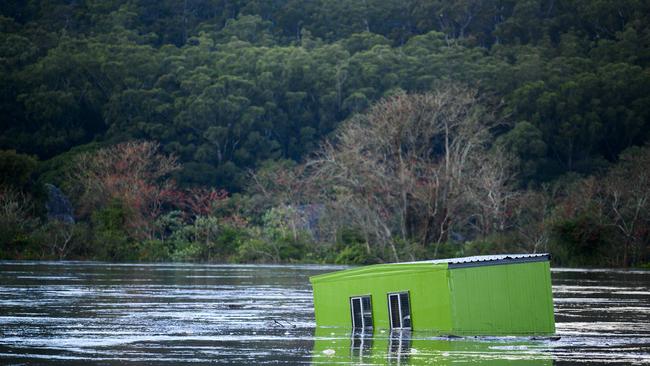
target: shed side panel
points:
(427, 286)
(502, 299)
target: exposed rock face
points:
(58, 205)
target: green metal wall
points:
(426, 283)
(502, 299)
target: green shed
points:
(481, 295)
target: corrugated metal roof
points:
(487, 259)
(452, 263)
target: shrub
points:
(16, 221)
(354, 254)
(186, 252)
(154, 251)
(256, 250)
(581, 240)
(111, 241)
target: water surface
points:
(77, 313)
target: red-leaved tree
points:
(135, 173)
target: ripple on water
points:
(79, 313)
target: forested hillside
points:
(229, 98)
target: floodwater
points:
(79, 313)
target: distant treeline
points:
(232, 91)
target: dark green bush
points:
(111, 241)
(354, 254)
(581, 240)
(154, 251)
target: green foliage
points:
(495, 244)
(355, 254)
(235, 86)
(526, 143)
(16, 169)
(207, 239)
(445, 250)
(110, 235)
(16, 221)
(57, 169)
(227, 86)
(351, 248)
(154, 251)
(581, 241)
(277, 240)
(229, 240)
(186, 252)
(256, 250)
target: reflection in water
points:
(80, 313)
(361, 344)
(404, 347)
(399, 346)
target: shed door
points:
(361, 310)
(399, 308)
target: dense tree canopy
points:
(232, 86)
(226, 85)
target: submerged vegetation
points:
(325, 131)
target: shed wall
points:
(426, 284)
(502, 299)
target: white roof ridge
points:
(478, 258)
